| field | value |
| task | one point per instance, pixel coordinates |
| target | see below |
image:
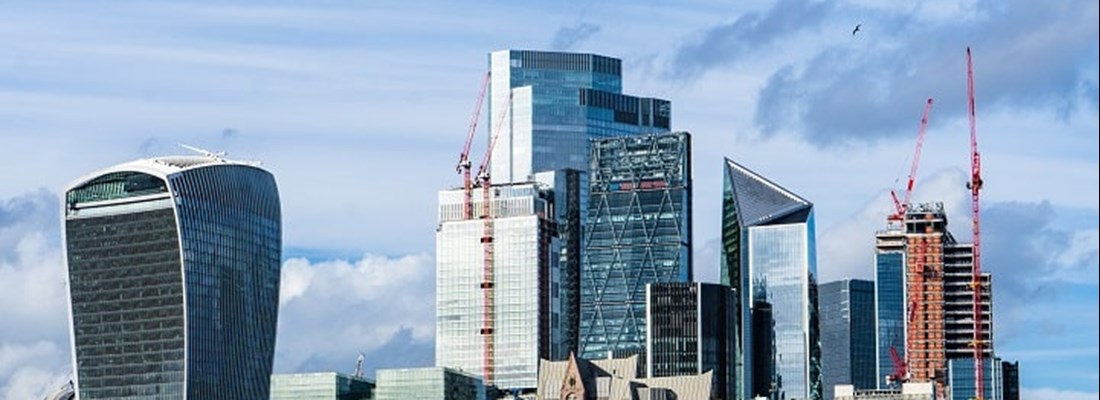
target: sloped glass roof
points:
(758, 200)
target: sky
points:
(360, 109)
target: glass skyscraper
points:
(637, 231)
(173, 274)
(890, 318)
(558, 103)
(847, 335)
(769, 255)
(524, 306)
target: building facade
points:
(689, 331)
(173, 275)
(616, 379)
(321, 386)
(496, 306)
(958, 302)
(960, 379)
(637, 231)
(435, 383)
(890, 304)
(566, 185)
(903, 391)
(769, 256)
(549, 105)
(847, 334)
(1010, 380)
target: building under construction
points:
(498, 323)
(924, 298)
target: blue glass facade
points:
(638, 231)
(847, 335)
(961, 379)
(561, 101)
(174, 279)
(889, 311)
(769, 256)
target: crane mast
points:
(899, 206)
(463, 166)
(975, 186)
(485, 182)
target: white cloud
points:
(331, 310)
(846, 249)
(30, 371)
(1058, 394)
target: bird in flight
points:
(857, 29)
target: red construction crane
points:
(485, 182)
(463, 166)
(975, 186)
(900, 373)
(899, 206)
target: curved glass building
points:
(173, 274)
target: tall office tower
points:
(498, 326)
(847, 334)
(958, 298)
(769, 254)
(566, 186)
(173, 275)
(890, 305)
(638, 231)
(554, 103)
(689, 331)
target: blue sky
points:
(360, 110)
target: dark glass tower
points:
(769, 254)
(638, 231)
(173, 274)
(690, 332)
(847, 335)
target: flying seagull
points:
(857, 29)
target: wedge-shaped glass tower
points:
(769, 257)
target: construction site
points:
(932, 291)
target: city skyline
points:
(332, 109)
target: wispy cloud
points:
(569, 36)
(728, 43)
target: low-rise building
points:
(320, 386)
(432, 383)
(616, 379)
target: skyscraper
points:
(689, 331)
(890, 316)
(498, 327)
(924, 295)
(847, 334)
(769, 256)
(554, 103)
(638, 231)
(173, 274)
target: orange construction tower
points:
(926, 232)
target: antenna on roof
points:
(209, 154)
